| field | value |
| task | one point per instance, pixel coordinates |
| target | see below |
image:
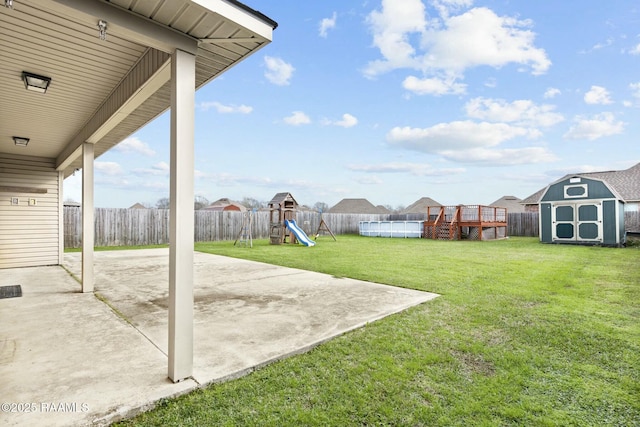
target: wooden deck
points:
(475, 222)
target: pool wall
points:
(403, 229)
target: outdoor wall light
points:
(20, 141)
(8, 3)
(35, 82)
(102, 29)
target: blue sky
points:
(462, 101)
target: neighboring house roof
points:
(626, 183)
(225, 204)
(138, 206)
(511, 203)
(354, 206)
(420, 206)
(383, 209)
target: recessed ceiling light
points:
(35, 82)
(20, 141)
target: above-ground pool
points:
(403, 229)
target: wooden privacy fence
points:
(124, 227)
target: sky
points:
(462, 101)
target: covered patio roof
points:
(102, 91)
(105, 69)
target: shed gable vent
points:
(575, 191)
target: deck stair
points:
(464, 222)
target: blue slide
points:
(300, 235)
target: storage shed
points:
(582, 210)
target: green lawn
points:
(523, 334)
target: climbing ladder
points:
(244, 237)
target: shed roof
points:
(354, 206)
(625, 182)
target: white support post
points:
(87, 217)
(181, 216)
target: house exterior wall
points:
(30, 212)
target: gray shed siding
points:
(30, 212)
(595, 190)
(610, 226)
(581, 210)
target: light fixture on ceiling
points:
(20, 141)
(35, 82)
(8, 4)
(102, 29)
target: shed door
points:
(590, 222)
(577, 222)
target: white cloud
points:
(552, 92)
(278, 72)
(480, 37)
(391, 29)
(327, 24)
(347, 121)
(225, 109)
(522, 112)
(445, 7)
(599, 126)
(159, 169)
(501, 157)
(108, 168)
(369, 180)
(597, 95)
(471, 142)
(419, 169)
(458, 135)
(433, 86)
(297, 118)
(443, 48)
(635, 89)
(635, 50)
(134, 145)
(491, 82)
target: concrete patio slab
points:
(70, 350)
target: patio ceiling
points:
(104, 90)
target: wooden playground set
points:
(461, 222)
(282, 224)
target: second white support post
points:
(88, 227)
(181, 216)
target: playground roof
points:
(281, 197)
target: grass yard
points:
(523, 334)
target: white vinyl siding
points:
(29, 233)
